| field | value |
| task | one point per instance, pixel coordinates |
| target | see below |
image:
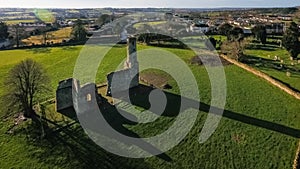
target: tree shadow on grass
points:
(69, 147)
(251, 59)
(90, 154)
(268, 64)
(69, 48)
(265, 47)
(40, 50)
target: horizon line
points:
(225, 7)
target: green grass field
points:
(152, 23)
(13, 22)
(267, 64)
(254, 132)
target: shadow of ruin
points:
(73, 100)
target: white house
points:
(247, 31)
(199, 28)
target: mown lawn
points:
(252, 134)
(267, 64)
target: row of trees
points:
(17, 33)
(290, 40)
(259, 32)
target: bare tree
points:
(18, 33)
(46, 36)
(25, 85)
(235, 49)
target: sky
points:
(146, 3)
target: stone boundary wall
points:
(296, 164)
(264, 76)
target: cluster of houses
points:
(32, 24)
(275, 24)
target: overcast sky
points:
(147, 3)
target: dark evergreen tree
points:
(260, 33)
(3, 31)
(291, 41)
(79, 32)
(225, 29)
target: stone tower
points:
(131, 53)
(132, 62)
(129, 76)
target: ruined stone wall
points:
(121, 80)
(64, 94)
(128, 77)
(72, 98)
(87, 99)
(64, 97)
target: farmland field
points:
(260, 127)
(13, 22)
(152, 23)
(53, 36)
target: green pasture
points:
(263, 57)
(259, 129)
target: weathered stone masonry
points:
(128, 77)
(70, 96)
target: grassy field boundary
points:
(264, 76)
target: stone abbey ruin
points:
(128, 77)
(117, 81)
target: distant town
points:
(24, 23)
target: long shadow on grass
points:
(69, 146)
(263, 47)
(40, 50)
(71, 140)
(91, 155)
(84, 150)
(113, 121)
(269, 64)
(140, 95)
